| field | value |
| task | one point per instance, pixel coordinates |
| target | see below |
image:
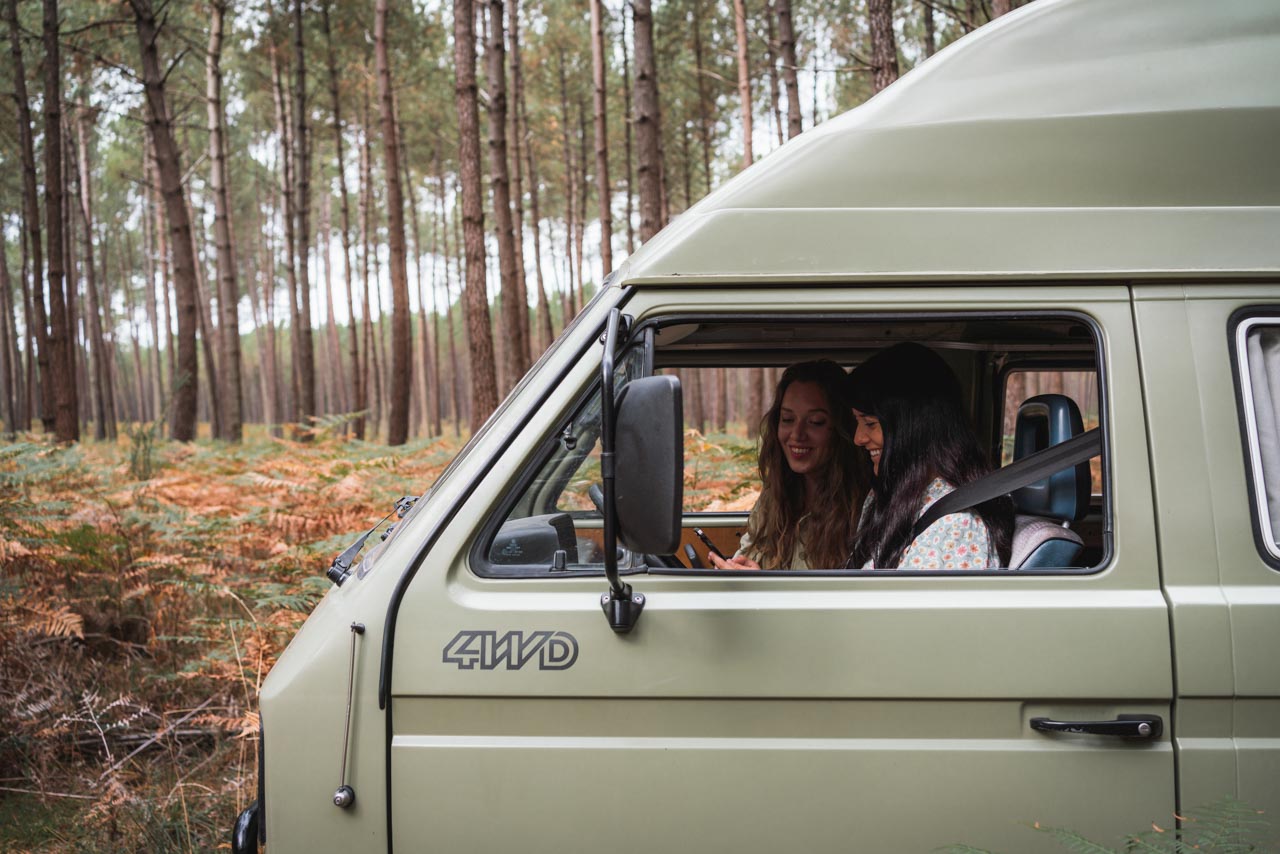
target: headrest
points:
(1045, 421)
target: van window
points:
(1024, 384)
(729, 367)
(1258, 354)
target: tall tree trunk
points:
(169, 166)
(284, 133)
(570, 180)
(704, 108)
(133, 326)
(455, 378)
(544, 308)
(774, 94)
(884, 49)
(516, 350)
(228, 287)
(930, 38)
(333, 374)
(38, 316)
(368, 387)
(603, 188)
(353, 338)
(204, 300)
(744, 79)
(519, 142)
(627, 122)
(649, 168)
(66, 422)
(1000, 7)
(790, 79)
(584, 190)
(484, 389)
(104, 393)
(397, 429)
(264, 328)
(302, 175)
(157, 396)
(10, 367)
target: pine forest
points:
(267, 264)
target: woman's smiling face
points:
(870, 437)
(805, 427)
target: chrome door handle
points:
(1124, 726)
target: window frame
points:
(480, 565)
(1239, 324)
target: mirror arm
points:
(621, 606)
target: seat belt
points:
(1016, 475)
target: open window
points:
(728, 368)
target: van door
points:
(797, 712)
(1221, 571)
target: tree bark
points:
(627, 121)
(284, 133)
(516, 349)
(930, 39)
(66, 421)
(790, 80)
(570, 181)
(603, 188)
(104, 392)
(704, 108)
(149, 297)
(397, 429)
(367, 388)
(302, 175)
(37, 317)
(484, 390)
(546, 335)
(228, 286)
(649, 167)
(884, 48)
(333, 373)
(264, 326)
(774, 93)
(169, 167)
(744, 79)
(10, 367)
(1000, 7)
(353, 339)
(518, 143)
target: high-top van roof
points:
(1068, 139)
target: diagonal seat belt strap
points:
(1016, 475)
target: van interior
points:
(1024, 376)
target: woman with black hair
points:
(812, 477)
(912, 423)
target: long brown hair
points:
(827, 532)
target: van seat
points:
(1041, 536)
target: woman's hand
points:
(735, 562)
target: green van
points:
(1077, 204)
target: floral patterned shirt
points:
(956, 541)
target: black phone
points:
(707, 542)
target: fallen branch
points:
(47, 794)
(150, 741)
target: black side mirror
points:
(649, 443)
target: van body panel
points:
(1224, 597)
(852, 689)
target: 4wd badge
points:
(553, 650)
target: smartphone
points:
(706, 541)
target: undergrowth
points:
(145, 591)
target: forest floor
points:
(145, 591)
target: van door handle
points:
(1124, 726)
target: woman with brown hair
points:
(813, 477)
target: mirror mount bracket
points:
(622, 608)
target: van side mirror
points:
(649, 443)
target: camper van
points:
(1081, 199)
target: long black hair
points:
(927, 434)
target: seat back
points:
(1041, 538)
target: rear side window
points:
(1258, 357)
